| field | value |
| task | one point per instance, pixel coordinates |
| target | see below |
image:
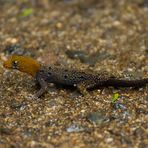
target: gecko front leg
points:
(43, 85)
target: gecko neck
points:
(31, 70)
(30, 67)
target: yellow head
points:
(23, 64)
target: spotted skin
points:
(82, 80)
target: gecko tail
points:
(127, 83)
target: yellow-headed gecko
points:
(70, 77)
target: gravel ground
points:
(94, 35)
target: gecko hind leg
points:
(83, 86)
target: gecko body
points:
(70, 77)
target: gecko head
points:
(23, 64)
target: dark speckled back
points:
(60, 75)
(78, 78)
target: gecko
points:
(80, 79)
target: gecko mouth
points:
(6, 65)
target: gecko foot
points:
(82, 89)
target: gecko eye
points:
(15, 64)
